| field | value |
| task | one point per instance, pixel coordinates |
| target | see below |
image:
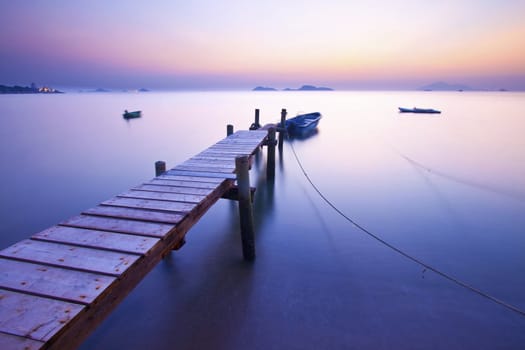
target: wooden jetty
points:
(58, 285)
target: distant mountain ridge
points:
(302, 88)
(264, 88)
(442, 86)
(310, 88)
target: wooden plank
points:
(98, 239)
(207, 164)
(220, 148)
(194, 168)
(250, 146)
(173, 181)
(180, 207)
(119, 225)
(210, 163)
(13, 342)
(240, 141)
(57, 283)
(214, 159)
(165, 196)
(227, 160)
(248, 134)
(250, 138)
(227, 150)
(175, 189)
(219, 153)
(135, 214)
(204, 173)
(214, 165)
(224, 157)
(68, 256)
(188, 178)
(34, 317)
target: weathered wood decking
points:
(57, 286)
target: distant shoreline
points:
(302, 88)
(33, 89)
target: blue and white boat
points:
(418, 110)
(303, 124)
(131, 115)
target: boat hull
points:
(132, 115)
(418, 110)
(303, 124)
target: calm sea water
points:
(448, 189)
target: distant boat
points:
(131, 115)
(418, 110)
(302, 124)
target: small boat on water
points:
(302, 124)
(131, 115)
(418, 110)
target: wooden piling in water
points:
(270, 165)
(229, 129)
(282, 128)
(242, 165)
(160, 167)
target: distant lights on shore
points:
(46, 89)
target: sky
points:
(230, 44)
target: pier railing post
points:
(160, 167)
(229, 129)
(282, 129)
(242, 165)
(270, 165)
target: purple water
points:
(448, 189)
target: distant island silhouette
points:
(442, 86)
(264, 88)
(123, 90)
(310, 88)
(302, 88)
(33, 89)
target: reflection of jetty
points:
(57, 286)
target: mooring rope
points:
(514, 194)
(401, 252)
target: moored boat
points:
(131, 115)
(302, 124)
(418, 110)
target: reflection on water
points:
(317, 283)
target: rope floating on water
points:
(401, 252)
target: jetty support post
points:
(282, 129)
(160, 167)
(242, 165)
(256, 124)
(229, 129)
(270, 165)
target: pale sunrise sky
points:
(205, 44)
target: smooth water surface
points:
(448, 189)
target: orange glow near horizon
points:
(300, 41)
